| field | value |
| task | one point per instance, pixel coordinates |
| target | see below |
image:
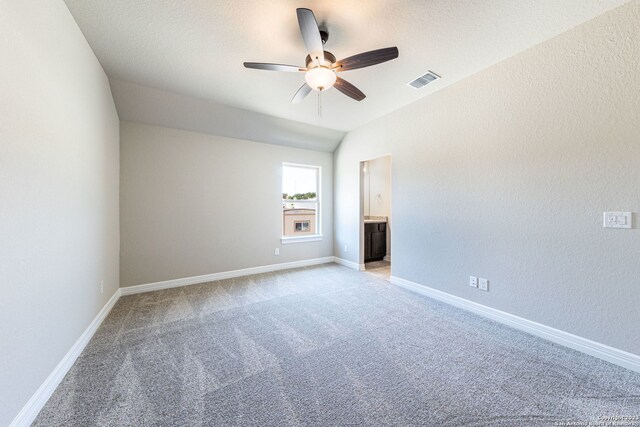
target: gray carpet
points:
(325, 346)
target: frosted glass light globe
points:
(320, 78)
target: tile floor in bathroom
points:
(381, 269)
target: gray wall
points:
(194, 204)
(58, 193)
(506, 175)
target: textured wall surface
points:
(58, 193)
(506, 175)
(194, 204)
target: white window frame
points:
(286, 240)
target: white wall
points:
(380, 186)
(377, 187)
(58, 193)
(194, 204)
(506, 175)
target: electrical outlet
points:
(276, 251)
(346, 248)
(473, 281)
(483, 284)
(101, 287)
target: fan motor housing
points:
(324, 36)
(329, 60)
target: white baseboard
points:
(592, 348)
(194, 280)
(350, 264)
(30, 410)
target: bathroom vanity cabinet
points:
(375, 241)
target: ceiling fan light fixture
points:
(321, 67)
(320, 78)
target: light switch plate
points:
(617, 219)
(483, 284)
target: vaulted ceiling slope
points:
(197, 47)
(143, 104)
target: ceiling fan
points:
(321, 66)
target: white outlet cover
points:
(483, 284)
(276, 251)
(473, 281)
(346, 248)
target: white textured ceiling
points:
(197, 47)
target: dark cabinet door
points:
(375, 241)
(378, 245)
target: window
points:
(300, 203)
(301, 226)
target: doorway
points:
(375, 216)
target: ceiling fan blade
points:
(366, 59)
(310, 33)
(301, 94)
(348, 89)
(274, 67)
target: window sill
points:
(286, 240)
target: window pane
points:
(301, 226)
(300, 221)
(299, 200)
(299, 183)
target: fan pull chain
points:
(319, 103)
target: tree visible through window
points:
(300, 200)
